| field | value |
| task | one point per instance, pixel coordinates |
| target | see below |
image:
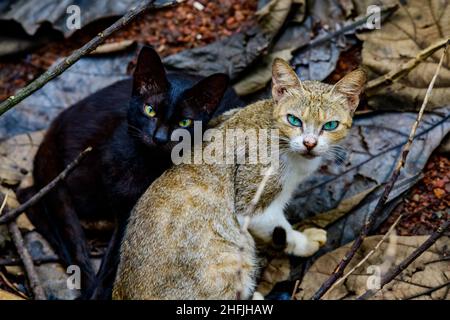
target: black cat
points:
(129, 125)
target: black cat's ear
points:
(149, 77)
(208, 92)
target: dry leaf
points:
(259, 76)
(413, 27)
(428, 271)
(272, 16)
(16, 157)
(5, 295)
(277, 270)
(324, 219)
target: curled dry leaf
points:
(428, 271)
(415, 26)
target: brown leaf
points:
(5, 295)
(16, 157)
(428, 271)
(413, 27)
(324, 219)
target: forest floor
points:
(188, 25)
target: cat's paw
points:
(306, 243)
(316, 235)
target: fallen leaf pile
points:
(428, 271)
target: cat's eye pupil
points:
(293, 120)
(330, 125)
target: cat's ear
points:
(351, 86)
(284, 80)
(149, 77)
(208, 92)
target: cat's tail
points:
(42, 220)
(39, 217)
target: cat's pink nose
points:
(309, 143)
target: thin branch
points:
(376, 247)
(429, 291)
(64, 64)
(244, 227)
(297, 283)
(33, 278)
(404, 69)
(11, 215)
(338, 272)
(393, 273)
(385, 13)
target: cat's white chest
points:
(295, 170)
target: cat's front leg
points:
(302, 244)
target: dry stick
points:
(11, 215)
(64, 64)
(428, 291)
(368, 255)
(389, 276)
(404, 69)
(297, 283)
(338, 272)
(244, 227)
(385, 13)
(33, 279)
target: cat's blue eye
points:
(149, 111)
(293, 120)
(331, 125)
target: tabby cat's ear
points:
(208, 92)
(351, 86)
(284, 80)
(149, 76)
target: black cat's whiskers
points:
(135, 132)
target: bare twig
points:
(244, 227)
(33, 279)
(12, 286)
(17, 262)
(385, 13)
(338, 272)
(404, 69)
(429, 291)
(389, 276)
(64, 64)
(297, 283)
(377, 246)
(11, 215)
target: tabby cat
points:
(184, 239)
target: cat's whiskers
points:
(336, 153)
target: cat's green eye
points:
(185, 123)
(331, 125)
(149, 111)
(293, 120)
